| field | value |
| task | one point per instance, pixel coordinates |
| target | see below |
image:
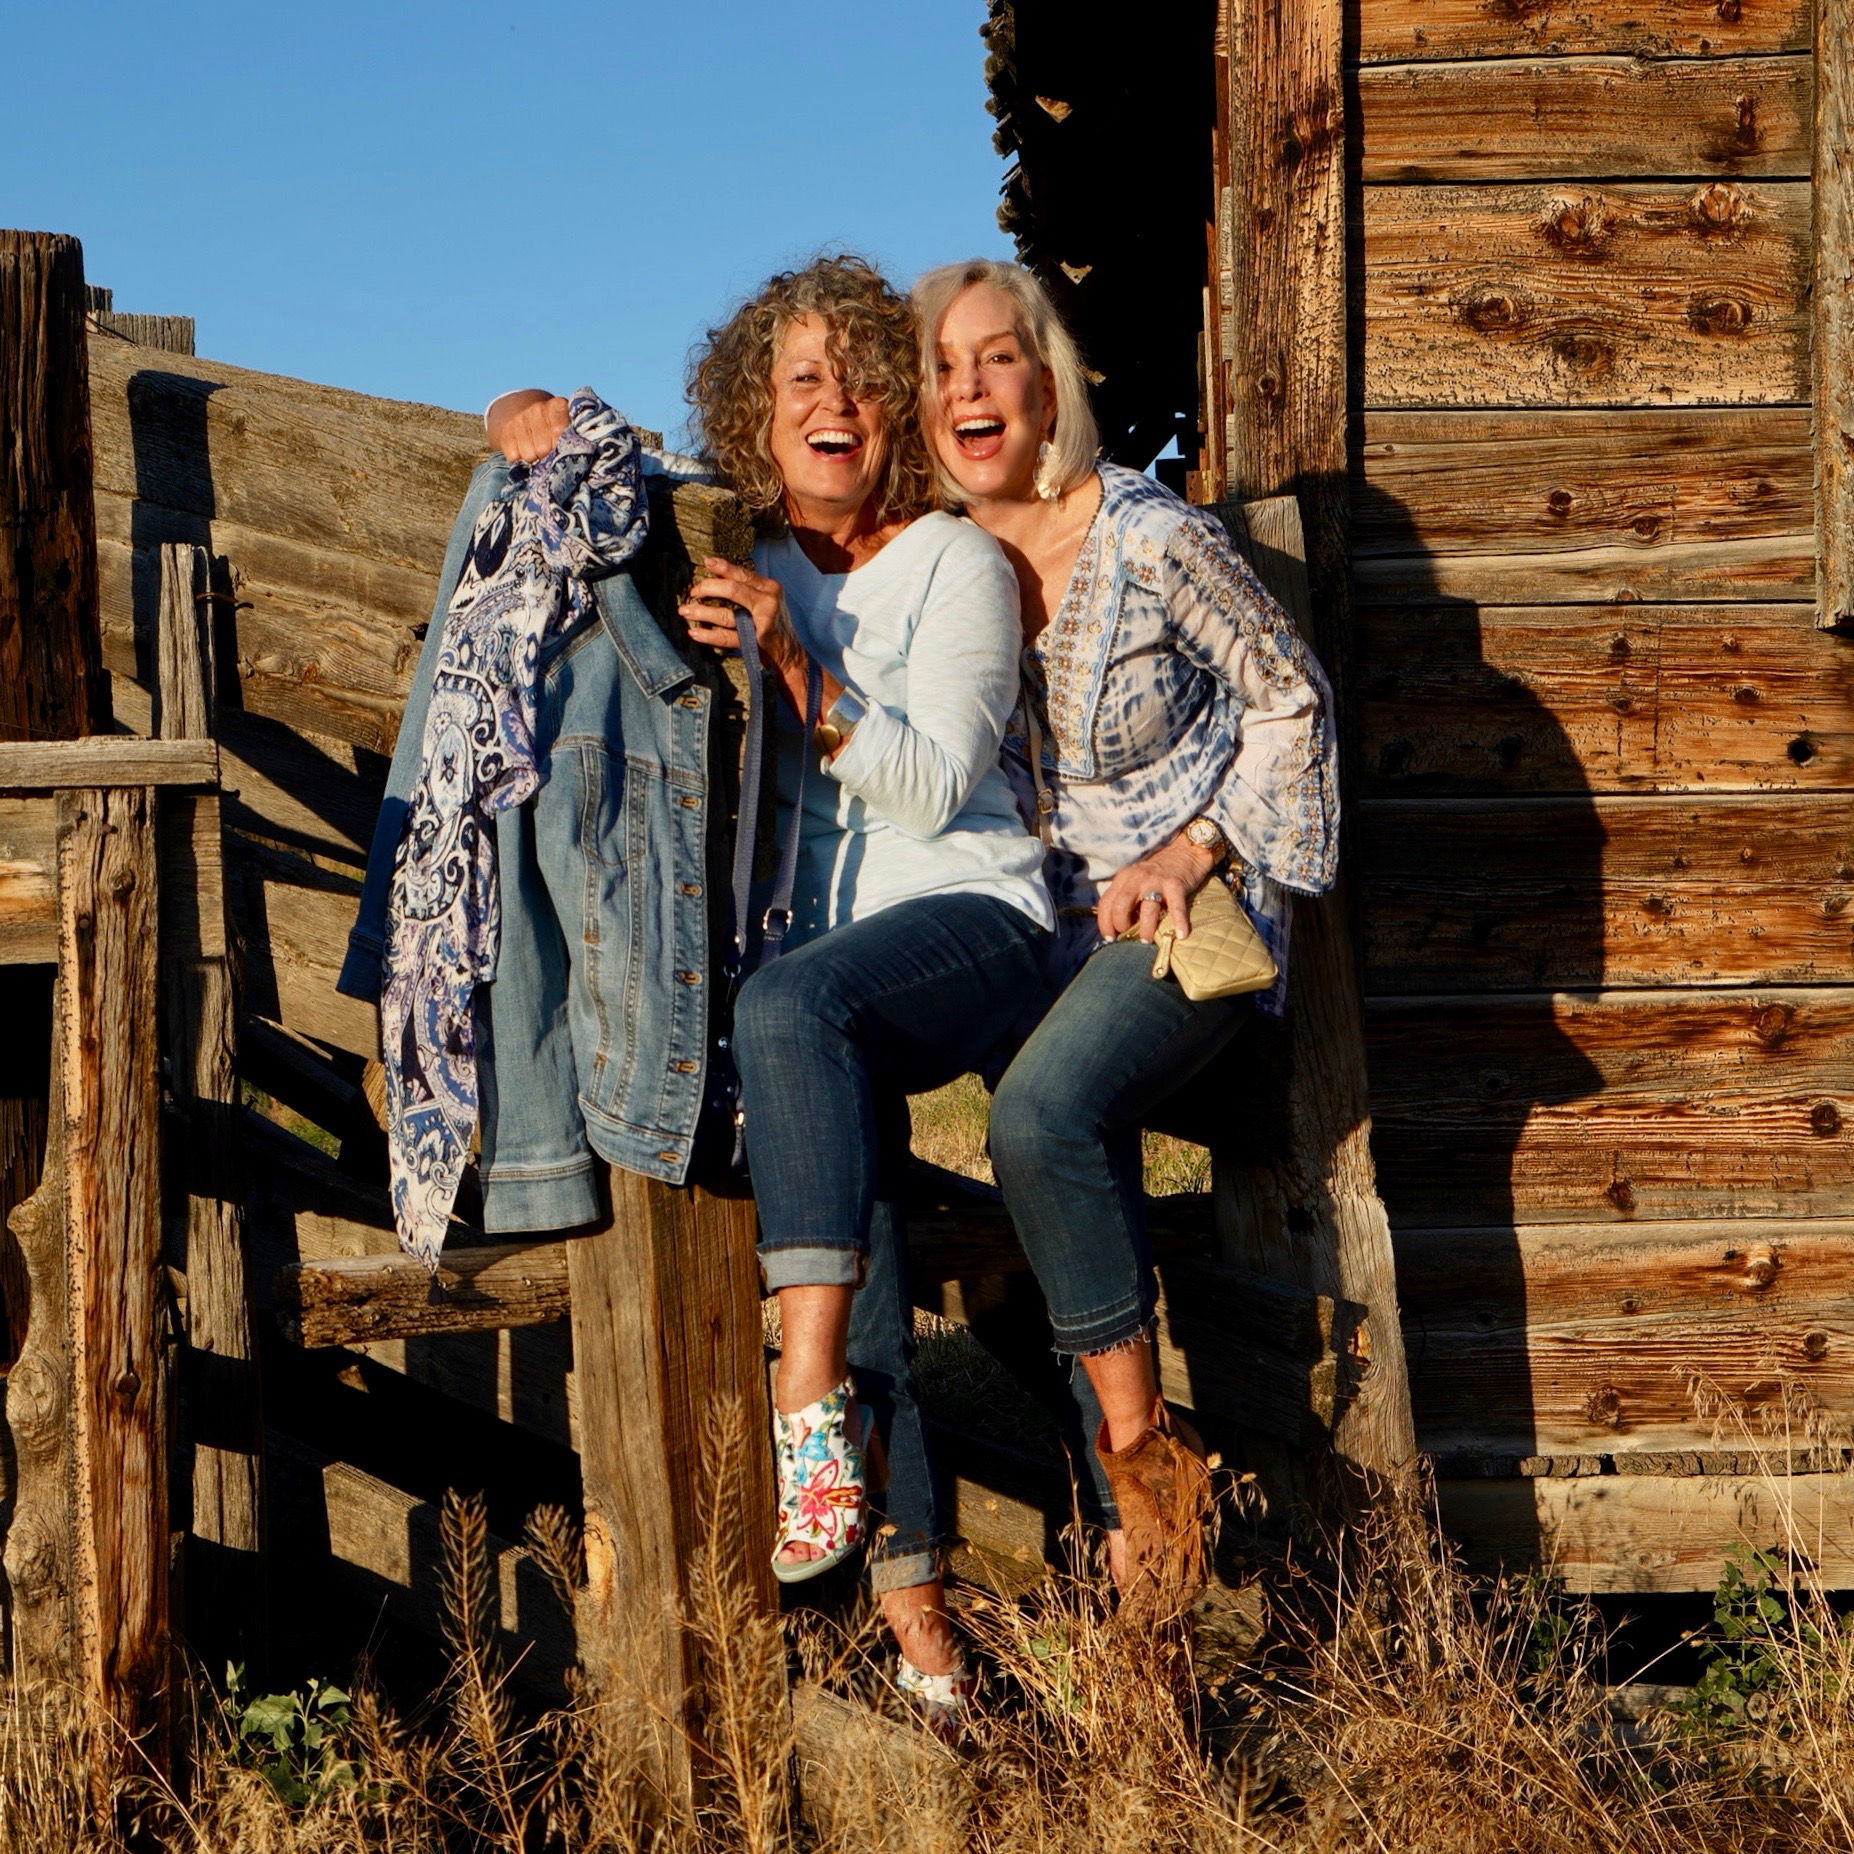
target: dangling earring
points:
(1046, 485)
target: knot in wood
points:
(126, 1385)
(1621, 1193)
(31, 1554)
(1603, 1407)
(34, 1402)
(1620, 647)
(1719, 206)
(1730, 11)
(1761, 1267)
(1582, 353)
(1745, 111)
(1487, 312)
(1646, 527)
(1713, 312)
(1560, 501)
(1745, 695)
(1771, 1025)
(1815, 1345)
(1824, 1123)
(1801, 750)
(1582, 225)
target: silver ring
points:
(1152, 894)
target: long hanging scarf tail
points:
(580, 511)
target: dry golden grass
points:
(1400, 1707)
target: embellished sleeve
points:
(1279, 804)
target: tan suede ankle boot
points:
(1161, 1484)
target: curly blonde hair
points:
(874, 347)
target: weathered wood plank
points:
(1602, 118)
(1469, 895)
(1834, 310)
(673, 1417)
(1524, 508)
(1579, 294)
(1610, 1106)
(387, 1297)
(1391, 30)
(1631, 1535)
(107, 931)
(1636, 1340)
(387, 1547)
(28, 877)
(295, 919)
(105, 760)
(1459, 701)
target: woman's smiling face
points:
(830, 447)
(994, 402)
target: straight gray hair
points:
(1075, 439)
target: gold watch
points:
(1204, 833)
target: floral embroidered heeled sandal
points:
(823, 1482)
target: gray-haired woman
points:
(1173, 730)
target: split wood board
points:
(1834, 311)
(1459, 701)
(1605, 1107)
(1398, 29)
(1526, 508)
(1587, 295)
(1632, 1535)
(1585, 1339)
(1597, 117)
(1472, 895)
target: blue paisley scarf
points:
(578, 514)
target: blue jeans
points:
(1065, 1143)
(831, 1039)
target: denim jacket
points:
(593, 1036)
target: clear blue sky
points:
(433, 201)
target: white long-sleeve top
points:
(915, 804)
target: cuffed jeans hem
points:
(902, 1570)
(1104, 1330)
(816, 1265)
(560, 1198)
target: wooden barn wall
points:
(1601, 755)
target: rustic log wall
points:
(1601, 749)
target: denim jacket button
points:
(685, 1068)
(689, 802)
(690, 978)
(669, 1158)
(690, 888)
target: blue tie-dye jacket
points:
(1170, 685)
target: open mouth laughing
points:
(979, 436)
(834, 441)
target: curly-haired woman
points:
(1174, 730)
(920, 919)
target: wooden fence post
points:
(666, 1337)
(51, 650)
(109, 1107)
(1834, 312)
(221, 1412)
(1288, 418)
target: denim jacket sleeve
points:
(360, 970)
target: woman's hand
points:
(1174, 873)
(740, 589)
(525, 426)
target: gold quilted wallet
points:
(1224, 955)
